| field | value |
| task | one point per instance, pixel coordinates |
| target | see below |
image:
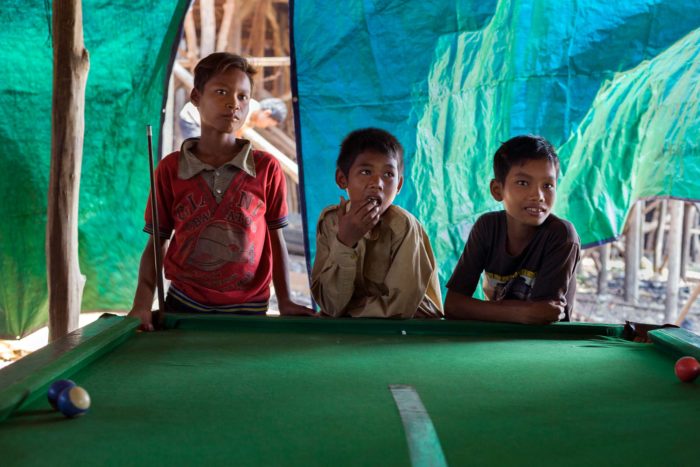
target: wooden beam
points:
(289, 167)
(71, 64)
(259, 29)
(184, 76)
(191, 40)
(261, 62)
(207, 27)
(225, 27)
(236, 34)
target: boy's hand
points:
(289, 308)
(145, 317)
(541, 312)
(354, 224)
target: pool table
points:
(236, 390)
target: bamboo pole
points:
(71, 64)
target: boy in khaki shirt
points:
(373, 259)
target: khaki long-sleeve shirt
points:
(390, 273)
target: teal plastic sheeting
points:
(130, 46)
(613, 85)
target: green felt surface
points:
(209, 394)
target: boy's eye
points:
(221, 92)
(364, 172)
(243, 97)
(521, 182)
(549, 186)
(389, 174)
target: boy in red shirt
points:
(224, 205)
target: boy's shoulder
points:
(561, 230)
(263, 159)
(400, 220)
(553, 226)
(169, 162)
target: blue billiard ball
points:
(73, 401)
(56, 388)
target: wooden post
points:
(604, 251)
(688, 221)
(675, 234)
(168, 132)
(181, 98)
(659, 238)
(207, 25)
(70, 69)
(225, 28)
(632, 244)
(236, 34)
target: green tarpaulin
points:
(130, 45)
(613, 85)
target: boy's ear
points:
(398, 189)
(496, 190)
(340, 179)
(194, 97)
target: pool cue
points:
(158, 316)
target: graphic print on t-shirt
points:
(221, 241)
(517, 286)
(218, 243)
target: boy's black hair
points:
(368, 139)
(519, 149)
(218, 62)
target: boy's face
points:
(373, 176)
(529, 192)
(223, 104)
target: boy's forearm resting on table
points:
(333, 280)
(146, 285)
(333, 276)
(459, 306)
(280, 276)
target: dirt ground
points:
(610, 307)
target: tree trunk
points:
(71, 64)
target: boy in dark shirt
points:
(528, 255)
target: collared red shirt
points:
(220, 253)
(218, 178)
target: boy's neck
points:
(216, 149)
(518, 236)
